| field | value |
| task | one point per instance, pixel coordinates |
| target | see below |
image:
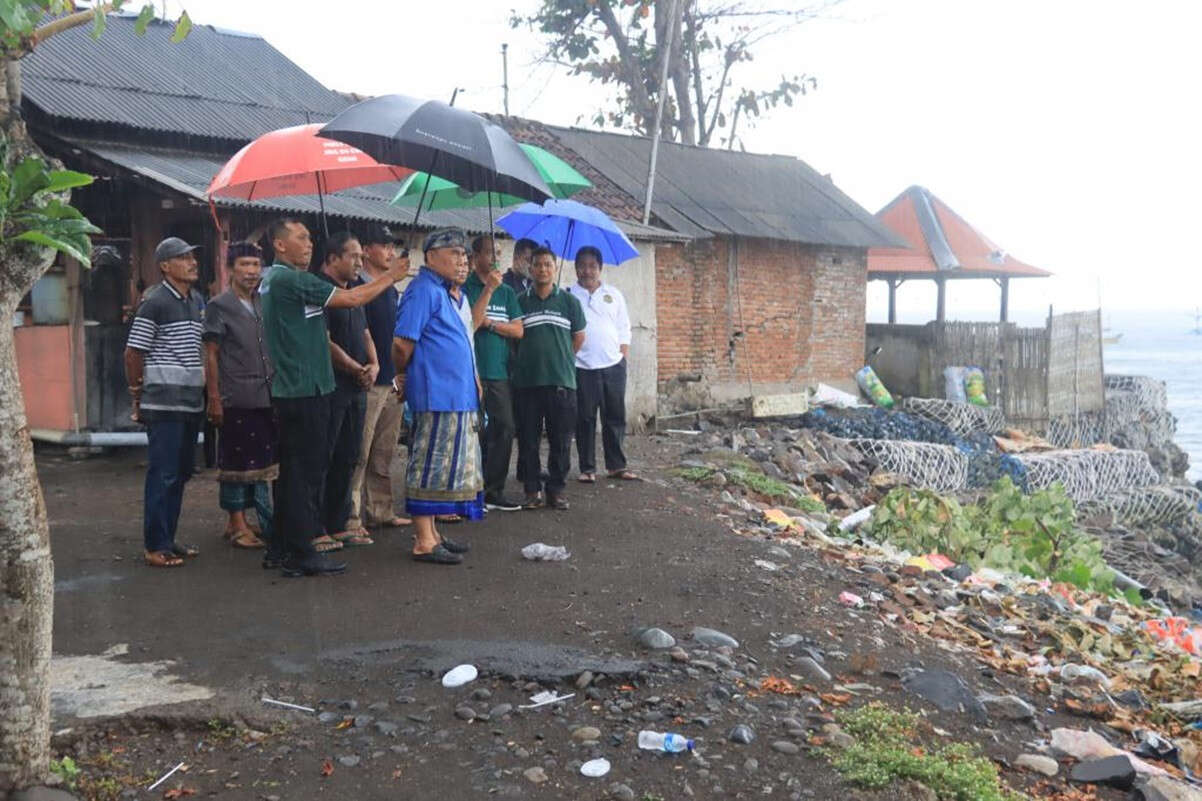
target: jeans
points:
(304, 458)
(601, 390)
(497, 437)
(556, 408)
(171, 455)
(347, 410)
(234, 496)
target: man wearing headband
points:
(434, 362)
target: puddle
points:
(86, 582)
(101, 686)
(529, 660)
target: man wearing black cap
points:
(294, 304)
(164, 366)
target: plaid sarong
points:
(444, 476)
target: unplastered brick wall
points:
(757, 315)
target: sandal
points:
(185, 551)
(396, 522)
(438, 556)
(624, 475)
(162, 559)
(326, 543)
(355, 537)
(247, 539)
(455, 547)
(448, 519)
(587, 478)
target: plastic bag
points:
(541, 552)
(867, 379)
(974, 386)
(953, 384)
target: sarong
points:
(246, 446)
(443, 477)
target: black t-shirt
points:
(381, 321)
(346, 327)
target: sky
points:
(1067, 131)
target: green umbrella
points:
(560, 176)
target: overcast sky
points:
(1067, 131)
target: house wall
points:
(743, 316)
(45, 369)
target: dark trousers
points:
(601, 391)
(347, 412)
(170, 459)
(304, 456)
(497, 438)
(554, 407)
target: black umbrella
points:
(449, 142)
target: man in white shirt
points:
(601, 370)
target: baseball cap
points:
(377, 235)
(170, 248)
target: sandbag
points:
(974, 386)
(867, 379)
(953, 384)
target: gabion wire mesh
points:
(1077, 431)
(963, 418)
(941, 468)
(1141, 506)
(1089, 475)
(1151, 394)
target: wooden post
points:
(1005, 284)
(941, 300)
(892, 300)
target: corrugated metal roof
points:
(189, 173)
(214, 83)
(702, 191)
(940, 242)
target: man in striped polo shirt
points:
(544, 374)
(164, 365)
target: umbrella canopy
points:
(296, 161)
(446, 141)
(562, 179)
(566, 226)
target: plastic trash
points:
(671, 743)
(595, 768)
(541, 552)
(459, 676)
(867, 378)
(974, 386)
(953, 384)
(826, 395)
(1083, 674)
(853, 520)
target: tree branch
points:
(56, 26)
(630, 65)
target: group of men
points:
(308, 376)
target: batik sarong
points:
(443, 477)
(246, 446)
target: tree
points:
(36, 222)
(621, 43)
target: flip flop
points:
(624, 475)
(354, 538)
(396, 522)
(247, 539)
(455, 547)
(162, 559)
(587, 478)
(449, 519)
(439, 556)
(325, 544)
(186, 551)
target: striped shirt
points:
(545, 357)
(167, 328)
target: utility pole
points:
(659, 111)
(505, 74)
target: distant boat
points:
(1111, 339)
(1197, 329)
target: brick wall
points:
(773, 315)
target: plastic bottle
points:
(672, 743)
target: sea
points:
(1162, 345)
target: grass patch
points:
(886, 750)
(743, 473)
(695, 474)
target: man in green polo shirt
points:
(294, 303)
(496, 317)
(544, 374)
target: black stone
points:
(1115, 771)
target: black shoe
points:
(312, 566)
(534, 500)
(557, 502)
(501, 503)
(455, 547)
(439, 556)
(272, 562)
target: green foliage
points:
(19, 21)
(1033, 534)
(746, 475)
(31, 213)
(886, 750)
(67, 770)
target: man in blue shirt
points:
(433, 359)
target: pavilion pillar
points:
(892, 301)
(1005, 285)
(941, 300)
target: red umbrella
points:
(296, 161)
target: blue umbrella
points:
(565, 226)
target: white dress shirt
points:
(608, 326)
